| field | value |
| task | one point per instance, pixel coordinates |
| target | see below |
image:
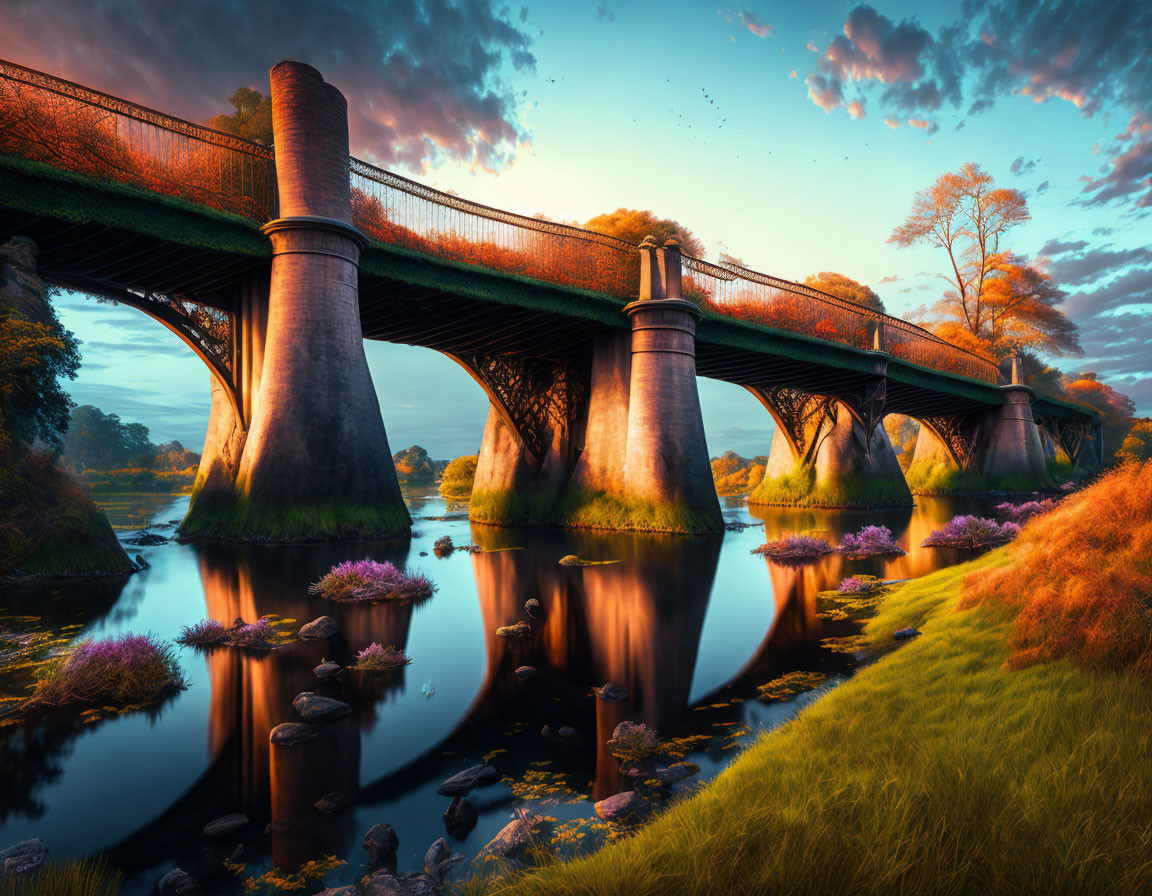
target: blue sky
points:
(736, 121)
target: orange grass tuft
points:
(1081, 577)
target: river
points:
(689, 625)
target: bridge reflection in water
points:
(689, 626)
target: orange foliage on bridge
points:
(43, 126)
(551, 257)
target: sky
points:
(793, 136)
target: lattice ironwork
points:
(50, 120)
(866, 405)
(958, 434)
(210, 332)
(801, 415)
(1071, 434)
(537, 396)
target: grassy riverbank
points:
(951, 765)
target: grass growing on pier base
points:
(925, 478)
(329, 521)
(942, 768)
(798, 488)
(588, 510)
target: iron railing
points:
(48, 119)
(761, 299)
(398, 211)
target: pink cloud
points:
(856, 109)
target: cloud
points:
(793, 74)
(1043, 186)
(930, 126)
(603, 12)
(1056, 247)
(1077, 268)
(1020, 166)
(825, 92)
(891, 278)
(425, 80)
(892, 121)
(1090, 53)
(856, 109)
(750, 21)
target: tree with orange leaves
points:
(1002, 301)
(1116, 409)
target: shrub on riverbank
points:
(970, 532)
(459, 477)
(1081, 580)
(129, 670)
(1021, 513)
(934, 770)
(205, 633)
(367, 580)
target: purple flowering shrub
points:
(375, 658)
(1021, 513)
(971, 532)
(204, 633)
(871, 541)
(795, 549)
(367, 580)
(856, 585)
(127, 670)
(257, 635)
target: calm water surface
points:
(690, 626)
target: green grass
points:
(49, 527)
(798, 488)
(329, 521)
(588, 510)
(84, 877)
(935, 770)
(1062, 470)
(926, 478)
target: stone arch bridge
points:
(274, 264)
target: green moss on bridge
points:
(587, 510)
(240, 520)
(798, 488)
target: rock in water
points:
(463, 783)
(326, 670)
(339, 891)
(459, 818)
(226, 826)
(381, 842)
(315, 708)
(525, 671)
(612, 693)
(678, 772)
(515, 838)
(277, 827)
(384, 884)
(567, 731)
(179, 883)
(519, 630)
(905, 634)
(331, 803)
(25, 856)
(288, 734)
(321, 629)
(531, 606)
(437, 853)
(625, 806)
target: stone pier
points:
(313, 461)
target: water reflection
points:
(642, 622)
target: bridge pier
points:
(654, 426)
(820, 457)
(998, 449)
(315, 462)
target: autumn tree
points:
(252, 119)
(1137, 445)
(845, 288)
(1002, 300)
(1116, 409)
(633, 225)
(36, 353)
